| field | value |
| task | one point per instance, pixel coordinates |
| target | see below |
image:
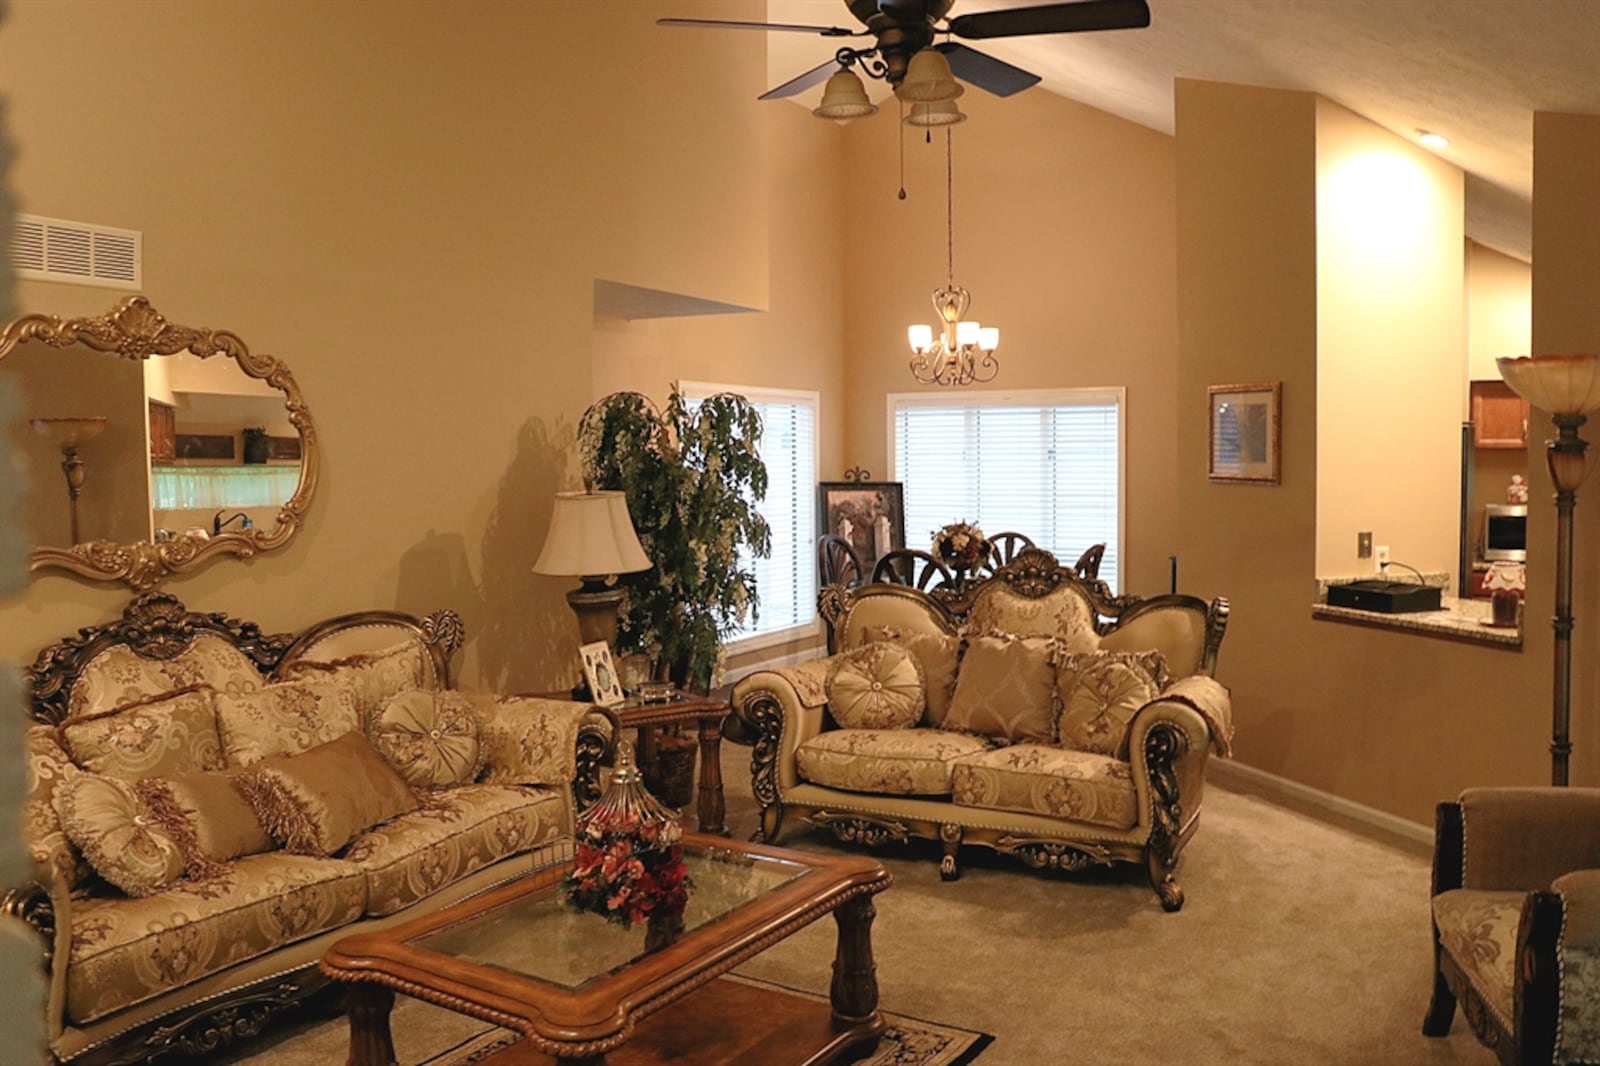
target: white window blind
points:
(786, 580)
(1047, 464)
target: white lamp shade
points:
(989, 338)
(591, 535)
(921, 337)
(1560, 384)
(967, 332)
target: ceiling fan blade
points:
(786, 27)
(796, 86)
(985, 71)
(1054, 18)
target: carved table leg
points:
(368, 1005)
(713, 808)
(855, 975)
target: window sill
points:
(762, 641)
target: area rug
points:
(906, 1042)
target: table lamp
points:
(592, 537)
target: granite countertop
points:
(1457, 619)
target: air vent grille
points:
(55, 249)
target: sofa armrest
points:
(44, 906)
(1580, 898)
(597, 733)
(782, 718)
(533, 740)
(1522, 839)
(1169, 743)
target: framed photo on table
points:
(871, 515)
(1243, 444)
(605, 688)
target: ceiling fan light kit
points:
(844, 98)
(928, 79)
(937, 113)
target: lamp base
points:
(596, 605)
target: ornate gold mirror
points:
(148, 456)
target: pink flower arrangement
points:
(628, 870)
(961, 545)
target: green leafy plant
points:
(692, 476)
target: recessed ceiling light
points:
(1429, 139)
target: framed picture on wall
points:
(871, 515)
(605, 688)
(1243, 444)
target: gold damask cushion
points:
(940, 656)
(173, 733)
(125, 950)
(47, 766)
(876, 686)
(284, 719)
(1063, 613)
(119, 676)
(372, 677)
(1479, 930)
(208, 816)
(460, 830)
(530, 741)
(1100, 692)
(316, 802)
(1006, 689)
(901, 762)
(432, 738)
(1039, 779)
(118, 833)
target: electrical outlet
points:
(1381, 557)
(1364, 544)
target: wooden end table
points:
(586, 992)
(709, 712)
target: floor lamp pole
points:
(1564, 456)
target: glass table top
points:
(540, 936)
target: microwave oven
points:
(1505, 532)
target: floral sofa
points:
(210, 807)
(1029, 711)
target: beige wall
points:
(1499, 309)
(1064, 236)
(1387, 719)
(1390, 347)
(411, 212)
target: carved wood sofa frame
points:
(156, 625)
(1033, 574)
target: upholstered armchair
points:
(1516, 922)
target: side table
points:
(709, 712)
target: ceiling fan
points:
(902, 28)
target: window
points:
(1047, 463)
(786, 581)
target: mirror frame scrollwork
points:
(136, 330)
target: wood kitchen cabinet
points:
(1499, 416)
(163, 433)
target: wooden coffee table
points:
(583, 990)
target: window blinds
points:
(1047, 466)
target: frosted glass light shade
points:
(989, 338)
(935, 113)
(1560, 384)
(928, 78)
(69, 433)
(590, 535)
(966, 333)
(844, 97)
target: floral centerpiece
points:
(629, 866)
(961, 545)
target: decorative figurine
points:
(1517, 491)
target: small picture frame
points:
(605, 688)
(871, 515)
(1245, 428)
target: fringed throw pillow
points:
(432, 738)
(1100, 693)
(118, 833)
(316, 802)
(876, 686)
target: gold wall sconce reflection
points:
(70, 434)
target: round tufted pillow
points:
(876, 686)
(432, 738)
(118, 833)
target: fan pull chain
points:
(901, 127)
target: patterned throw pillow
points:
(1006, 689)
(940, 656)
(432, 738)
(174, 733)
(1100, 693)
(876, 686)
(208, 816)
(372, 676)
(1064, 614)
(530, 741)
(48, 767)
(119, 675)
(316, 802)
(118, 833)
(284, 719)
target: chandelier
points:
(963, 350)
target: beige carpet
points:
(1301, 941)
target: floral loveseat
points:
(210, 807)
(1030, 712)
